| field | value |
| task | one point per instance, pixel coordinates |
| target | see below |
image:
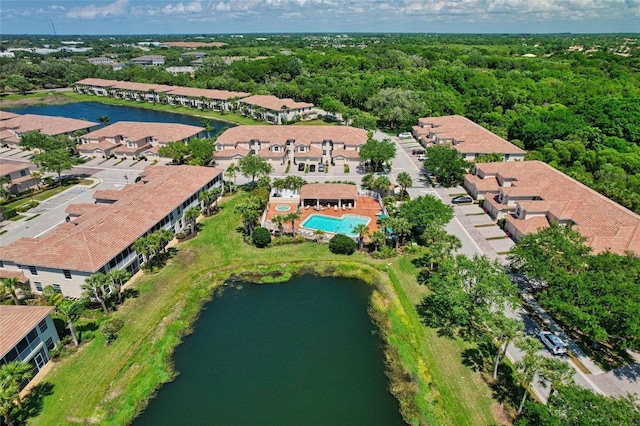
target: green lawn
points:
(108, 385)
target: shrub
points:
(181, 235)
(109, 328)
(8, 212)
(341, 244)
(385, 252)
(261, 237)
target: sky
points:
(114, 17)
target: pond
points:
(92, 110)
(298, 353)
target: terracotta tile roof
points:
(274, 103)
(483, 185)
(5, 115)
(529, 226)
(311, 152)
(83, 208)
(48, 125)
(350, 136)
(605, 224)
(90, 242)
(17, 321)
(8, 166)
(91, 147)
(346, 153)
(142, 87)
(97, 82)
(207, 93)
(472, 138)
(232, 153)
(135, 131)
(8, 137)
(266, 153)
(328, 191)
(13, 274)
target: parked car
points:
(462, 199)
(312, 168)
(555, 345)
(422, 157)
(301, 167)
(417, 151)
(405, 135)
(321, 167)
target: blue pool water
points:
(334, 224)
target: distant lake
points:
(92, 110)
(298, 353)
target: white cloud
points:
(92, 11)
(182, 8)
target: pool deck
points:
(365, 207)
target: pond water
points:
(92, 110)
(300, 353)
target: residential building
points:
(28, 335)
(20, 175)
(148, 60)
(99, 237)
(220, 100)
(193, 55)
(101, 60)
(18, 124)
(531, 194)
(180, 70)
(276, 110)
(337, 145)
(465, 136)
(132, 139)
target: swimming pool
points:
(337, 225)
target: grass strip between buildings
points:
(111, 384)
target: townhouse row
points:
(267, 108)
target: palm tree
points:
(279, 221)
(361, 230)
(143, 246)
(381, 185)
(208, 126)
(4, 180)
(12, 376)
(162, 237)
(206, 198)
(94, 286)
(279, 183)
(503, 331)
(378, 239)
(104, 120)
(401, 227)
(318, 233)
(368, 181)
(292, 217)
(216, 193)
(384, 223)
(117, 278)
(405, 181)
(71, 310)
(8, 286)
(250, 212)
(231, 173)
(191, 216)
(528, 367)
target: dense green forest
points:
(572, 101)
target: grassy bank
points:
(109, 385)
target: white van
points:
(553, 343)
